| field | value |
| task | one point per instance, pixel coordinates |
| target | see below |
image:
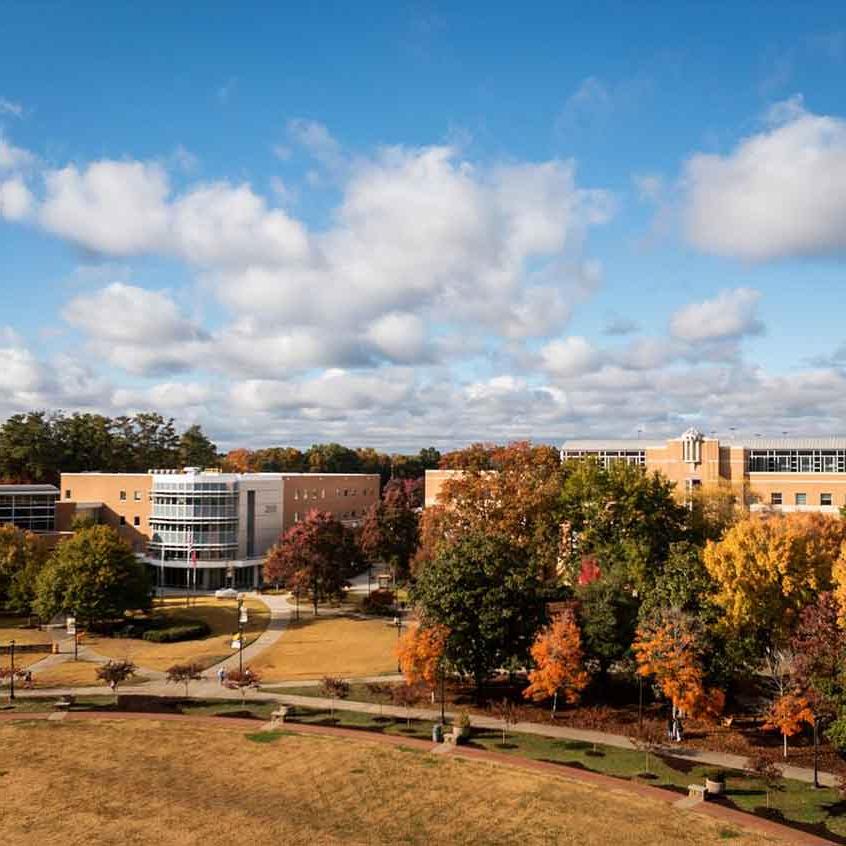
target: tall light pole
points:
(242, 620)
(12, 671)
(398, 624)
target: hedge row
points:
(174, 634)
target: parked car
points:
(226, 593)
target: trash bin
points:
(437, 733)
(55, 647)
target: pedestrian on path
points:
(221, 675)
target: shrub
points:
(175, 634)
(380, 601)
(836, 733)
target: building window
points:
(137, 496)
(826, 499)
(775, 499)
(122, 520)
(296, 516)
(353, 512)
(136, 521)
(68, 493)
(346, 491)
(123, 496)
(296, 493)
(801, 499)
(337, 491)
(314, 493)
(323, 493)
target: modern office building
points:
(30, 507)
(781, 474)
(223, 522)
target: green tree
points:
(625, 517)
(94, 575)
(489, 595)
(331, 458)
(115, 673)
(429, 458)
(85, 442)
(22, 557)
(146, 440)
(607, 613)
(317, 555)
(196, 450)
(28, 449)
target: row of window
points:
(796, 461)
(347, 515)
(801, 499)
(303, 493)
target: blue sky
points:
(426, 223)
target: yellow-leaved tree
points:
(559, 663)
(839, 579)
(768, 568)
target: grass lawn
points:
(333, 646)
(221, 618)
(797, 802)
(150, 782)
(74, 674)
(15, 628)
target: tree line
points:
(37, 446)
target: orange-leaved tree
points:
(559, 663)
(788, 714)
(420, 652)
(668, 649)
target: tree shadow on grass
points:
(576, 765)
(678, 764)
(572, 745)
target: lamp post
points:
(816, 750)
(242, 620)
(398, 624)
(11, 671)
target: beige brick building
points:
(782, 474)
(779, 474)
(226, 521)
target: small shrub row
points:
(175, 634)
(379, 602)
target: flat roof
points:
(611, 444)
(11, 490)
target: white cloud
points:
(12, 157)
(138, 330)
(399, 336)
(316, 138)
(165, 396)
(573, 356)
(9, 107)
(729, 316)
(779, 193)
(16, 200)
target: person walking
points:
(221, 675)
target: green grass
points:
(268, 736)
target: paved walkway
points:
(714, 810)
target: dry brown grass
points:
(74, 674)
(333, 646)
(12, 628)
(150, 782)
(221, 618)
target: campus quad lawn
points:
(796, 801)
(149, 781)
(74, 674)
(329, 646)
(221, 616)
(15, 628)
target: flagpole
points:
(187, 565)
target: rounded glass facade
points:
(193, 513)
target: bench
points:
(278, 716)
(697, 791)
(65, 703)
